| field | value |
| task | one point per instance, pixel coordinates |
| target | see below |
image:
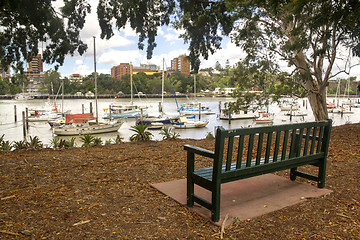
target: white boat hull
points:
(199, 124)
(81, 129)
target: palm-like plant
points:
(109, 141)
(97, 141)
(87, 140)
(20, 145)
(35, 142)
(55, 142)
(168, 134)
(140, 133)
(118, 139)
(5, 145)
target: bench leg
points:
(293, 174)
(322, 174)
(190, 192)
(190, 182)
(215, 203)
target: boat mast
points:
(96, 101)
(131, 84)
(162, 86)
(194, 86)
(62, 102)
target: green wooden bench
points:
(248, 152)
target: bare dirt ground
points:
(104, 193)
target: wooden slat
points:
(259, 148)
(268, 147)
(229, 153)
(285, 142)
(293, 143)
(250, 150)
(277, 145)
(321, 133)
(240, 151)
(313, 140)
(306, 144)
(300, 140)
(274, 128)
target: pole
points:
(62, 102)
(194, 86)
(162, 87)
(15, 116)
(96, 100)
(83, 109)
(199, 111)
(131, 83)
(24, 125)
(27, 118)
(91, 110)
(110, 113)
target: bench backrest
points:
(249, 147)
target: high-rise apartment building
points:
(181, 64)
(76, 78)
(124, 68)
(35, 74)
(120, 70)
(36, 64)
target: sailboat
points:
(79, 124)
(125, 111)
(343, 108)
(156, 121)
(194, 108)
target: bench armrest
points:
(199, 151)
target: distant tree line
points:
(218, 77)
(148, 84)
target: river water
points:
(13, 131)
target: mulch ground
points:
(104, 193)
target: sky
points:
(122, 48)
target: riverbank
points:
(104, 193)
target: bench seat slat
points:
(206, 173)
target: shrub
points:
(140, 133)
(5, 145)
(17, 145)
(167, 134)
(35, 143)
(87, 140)
(97, 141)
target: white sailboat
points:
(79, 124)
(195, 108)
(155, 120)
(125, 111)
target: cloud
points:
(230, 52)
(128, 31)
(79, 62)
(82, 69)
(115, 57)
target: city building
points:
(181, 64)
(124, 68)
(35, 75)
(76, 78)
(118, 71)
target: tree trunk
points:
(317, 95)
(317, 102)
